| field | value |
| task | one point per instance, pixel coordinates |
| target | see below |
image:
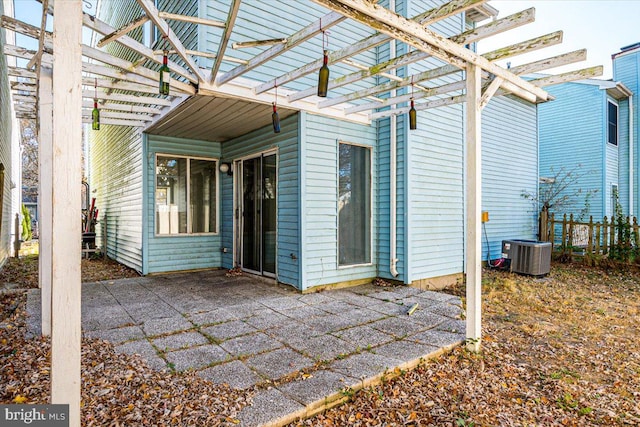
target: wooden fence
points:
(619, 239)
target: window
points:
(612, 118)
(354, 205)
(185, 195)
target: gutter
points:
(393, 171)
(631, 162)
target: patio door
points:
(256, 228)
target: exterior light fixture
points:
(323, 75)
(226, 168)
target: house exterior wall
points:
(116, 183)
(626, 69)
(572, 138)
(610, 177)
(509, 169)
(623, 155)
(6, 134)
(288, 255)
(176, 252)
(319, 184)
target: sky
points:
(600, 26)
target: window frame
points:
(617, 122)
(371, 199)
(188, 191)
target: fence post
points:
(627, 238)
(590, 240)
(612, 235)
(543, 232)
(636, 238)
(552, 227)
(598, 233)
(16, 244)
(570, 237)
(605, 236)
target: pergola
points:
(64, 75)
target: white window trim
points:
(188, 190)
(370, 263)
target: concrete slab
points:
(197, 357)
(399, 327)
(250, 344)
(166, 325)
(179, 341)
(235, 373)
(438, 338)
(364, 365)
(227, 330)
(407, 350)
(324, 347)
(267, 407)
(319, 385)
(267, 320)
(364, 337)
(117, 335)
(212, 316)
(278, 363)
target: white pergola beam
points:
(553, 62)
(125, 108)
(134, 99)
(191, 19)
(257, 43)
(410, 32)
(101, 27)
(585, 73)
(294, 40)
(488, 93)
(126, 28)
(506, 52)
(224, 40)
(66, 215)
(43, 24)
(110, 85)
(163, 27)
(116, 122)
(473, 211)
(45, 194)
(86, 112)
(426, 18)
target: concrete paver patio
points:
(247, 331)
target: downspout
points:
(393, 169)
(631, 142)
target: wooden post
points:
(597, 237)
(564, 234)
(570, 237)
(66, 210)
(612, 235)
(45, 181)
(543, 220)
(552, 230)
(474, 207)
(16, 243)
(636, 238)
(627, 243)
(605, 236)
(590, 241)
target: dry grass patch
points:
(561, 350)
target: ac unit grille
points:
(528, 256)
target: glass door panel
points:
(250, 215)
(269, 213)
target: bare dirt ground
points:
(561, 350)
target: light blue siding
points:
(626, 69)
(611, 167)
(286, 143)
(320, 209)
(509, 169)
(5, 154)
(116, 183)
(184, 252)
(572, 137)
(622, 167)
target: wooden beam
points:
(150, 9)
(191, 19)
(224, 40)
(294, 40)
(43, 25)
(127, 108)
(473, 209)
(585, 73)
(206, 55)
(257, 43)
(424, 39)
(86, 112)
(134, 99)
(113, 73)
(21, 72)
(115, 122)
(110, 85)
(138, 22)
(491, 89)
(65, 226)
(25, 98)
(101, 27)
(45, 195)
(426, 18)
(513, 50)
(553, 62)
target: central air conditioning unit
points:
(528, 256)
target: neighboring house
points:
(626, 69)
(212, 186)
(585, 132)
